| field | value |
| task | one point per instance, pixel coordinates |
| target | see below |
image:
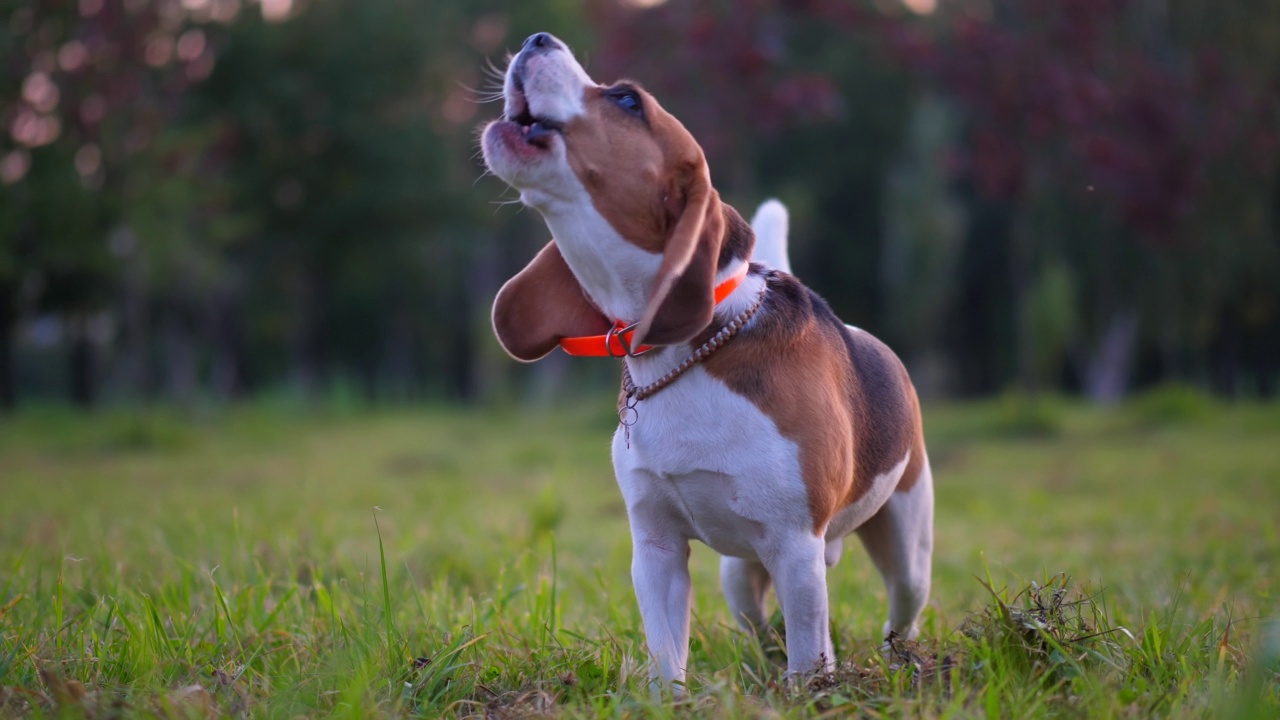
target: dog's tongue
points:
(538, 133)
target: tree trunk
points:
(83, 390)
(396, 366)
(8, 385)
(367, 370)
(979, 327)
(1021, 276)
(461, 368)
(139, 373)
(180, 358)
(490, 366)
(1107, 373)
(230, 374)
(306, 331)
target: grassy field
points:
(258, 562)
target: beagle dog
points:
(752, 419)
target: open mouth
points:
(536, 131)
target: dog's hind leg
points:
(745, 583)
(899, 539)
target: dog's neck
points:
(737, 243)
(736, 246)
(618, 275)
(615, 274)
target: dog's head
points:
(564, 138)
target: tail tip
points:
(771, 227)
(771, 211)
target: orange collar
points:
(617, 342)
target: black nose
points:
(539, 40)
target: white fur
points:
(553, 90)
(771, 223)
(860, 511)
(702, 462)
(616, 274)
(553, 83)
(899, 539)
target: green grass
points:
(428, 563)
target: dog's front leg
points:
(660, 573)
(800, 576)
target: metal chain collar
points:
(628, 415)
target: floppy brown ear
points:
(681, 302)
(542, 304)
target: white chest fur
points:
(703, 462)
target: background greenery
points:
(216, 198)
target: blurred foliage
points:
(210, 198)
(1017, 414)
(1172, 405)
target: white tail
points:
(770, 225)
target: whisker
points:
(480, 96)
(494, 71)
(503, 203)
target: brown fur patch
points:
(636, 169)
(911, 475)
(739, 239)
(838, 395)
(647, 177)
(884, 414)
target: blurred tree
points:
(1094, 107)
(88, 90)
(1228, 295)
(327, 139)
(923, 236)
(348, 134)
(1101, 145)
(225, 194)
(788, 99)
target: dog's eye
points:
(629, 101)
